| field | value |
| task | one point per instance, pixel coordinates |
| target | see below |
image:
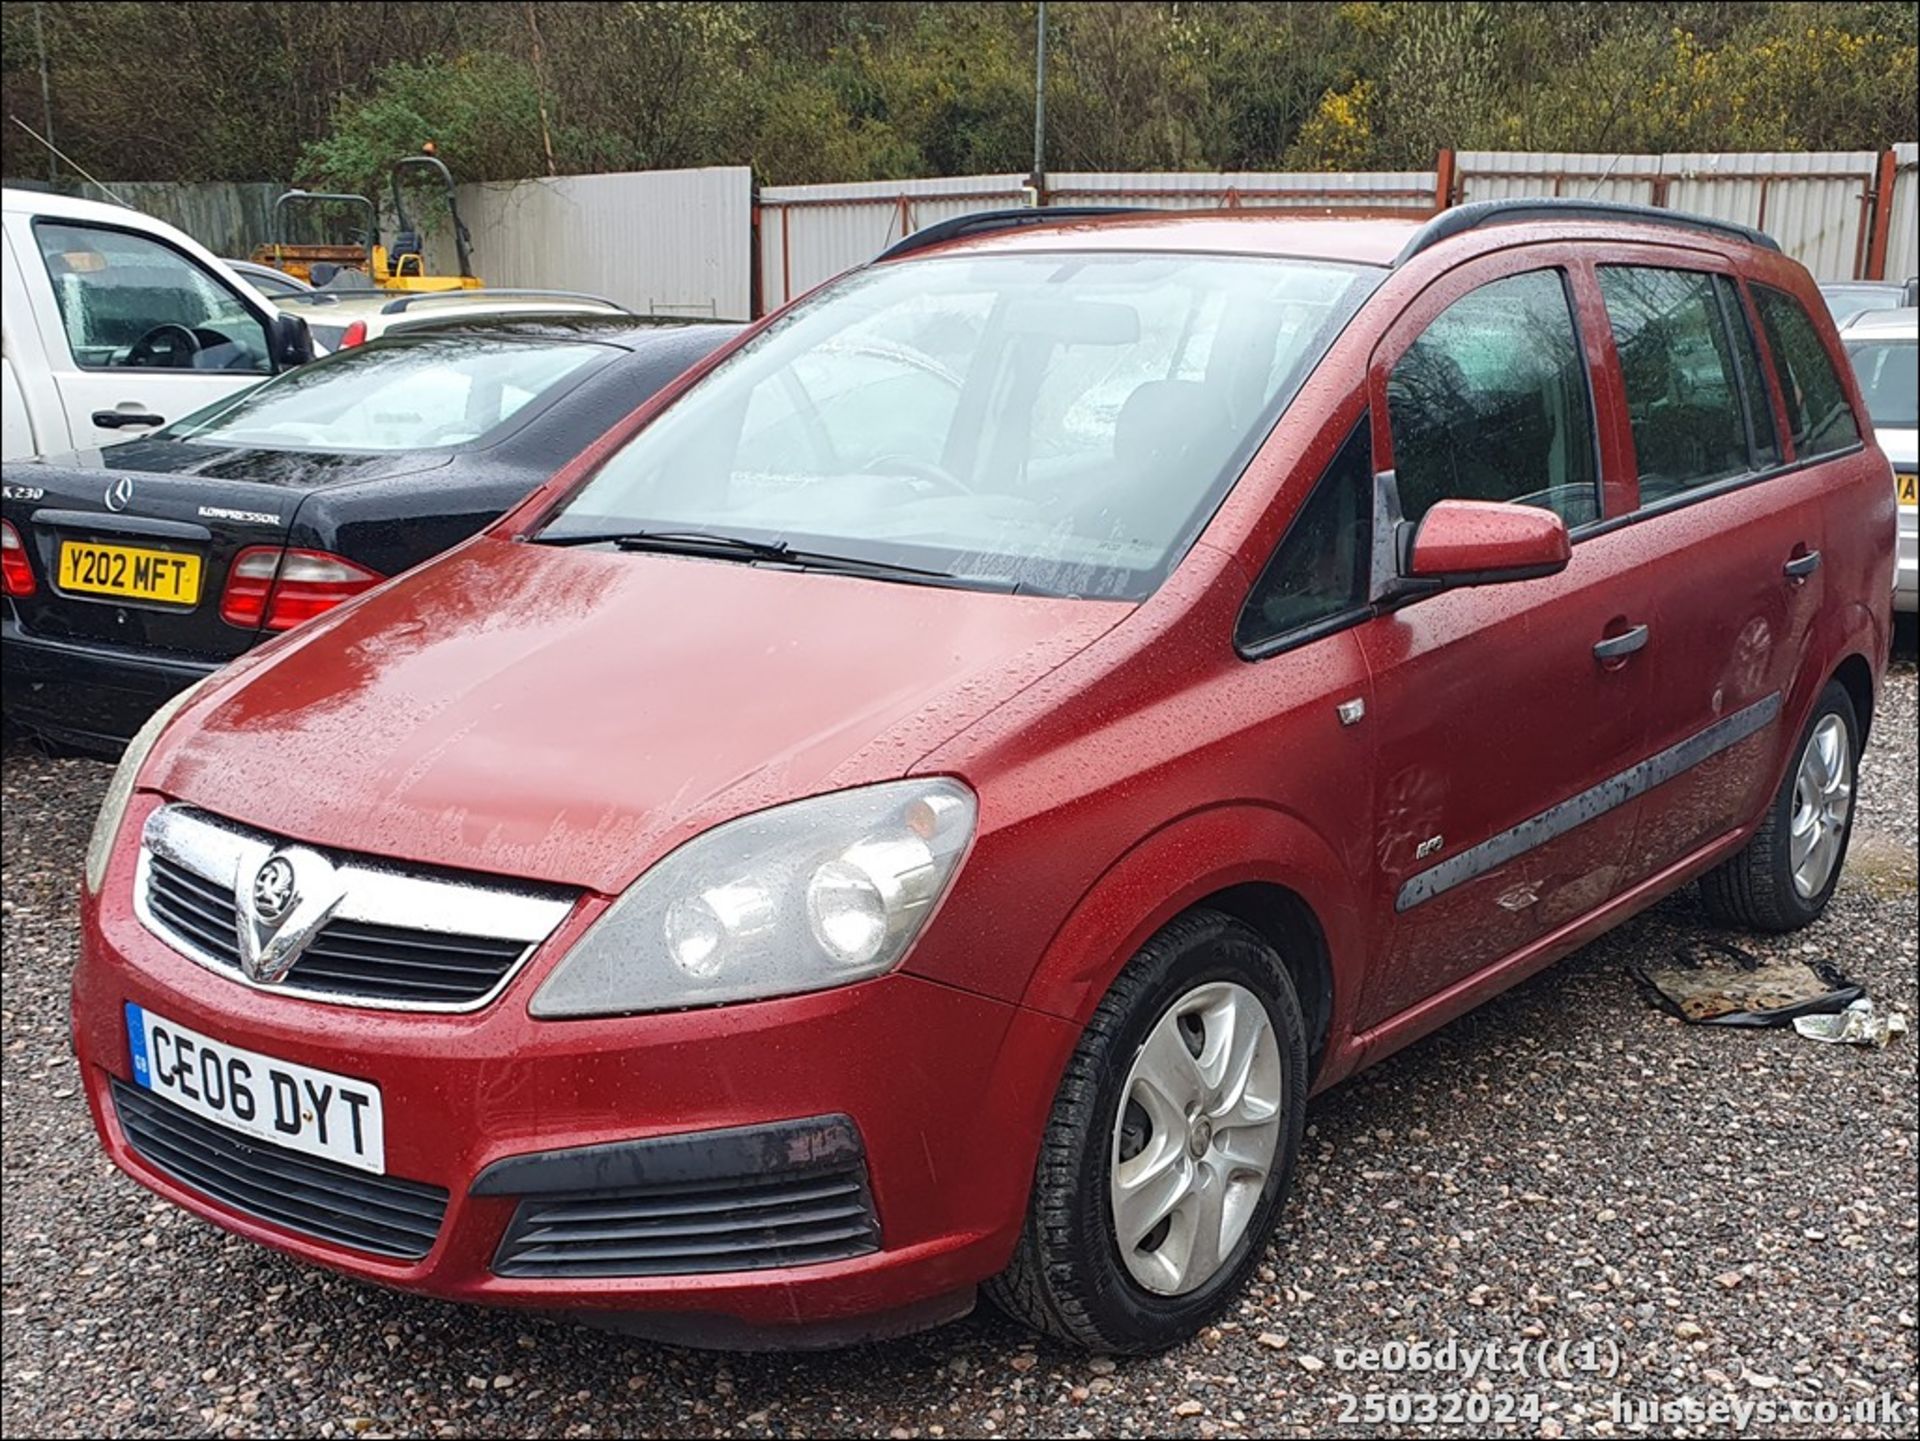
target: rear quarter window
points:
(1818, 416)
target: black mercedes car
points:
(133, 570)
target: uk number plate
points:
(1907, 488)
(314, 1112)
(168, 577)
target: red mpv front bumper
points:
(948, 1093)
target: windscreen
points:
(420, 394)
(1063, 422)
(1889, 375)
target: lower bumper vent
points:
(752, 1199)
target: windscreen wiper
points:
(896, 570)
(716, 546)
(677, 542)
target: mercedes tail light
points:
(276, 588)
(16, 570)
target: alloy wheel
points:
(1822, 806)
(1196, 1136)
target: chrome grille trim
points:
(378, 894)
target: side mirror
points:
(1483, 542)
(292, 342)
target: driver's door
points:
(137, 333)
(1506, 744)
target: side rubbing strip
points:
(1589, 805)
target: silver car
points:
(1885, 347)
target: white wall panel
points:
(1518, 174)
(1903, 237)
(1411, 191)
(1811, 203)
(667, 242)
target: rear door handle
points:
(114, 419)
(1619, 647)
(1802, 566)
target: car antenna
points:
(61, 154)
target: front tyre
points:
(1787, 873)
(1171, 1144)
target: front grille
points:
(382, 1215)
(389, 963)
(200, 910)
(386, 943)
(799, 1218)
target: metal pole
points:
(46, 96)
(1039, 179)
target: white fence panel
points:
(1903, 235)
(1409, 192)
(810, 233)
(662, 242)
(1513, 174)
(1814, 204)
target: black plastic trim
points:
(693, 1158)
(1680, 500)
(986, 221)
(1592, 803)
(1471, 216)
(381, 1215)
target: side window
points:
(1491, 403)
(127, 300)
(1682, 384)
(1818, 416)
(1753, 380)
(1319, 570)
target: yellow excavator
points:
(402, 267)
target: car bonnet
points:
(570, 716)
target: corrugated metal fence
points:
(810, 233)
(1386, 192)
(1903, 237)
(1843, 214)
(697, 242)
(228, 217)
(1818, 205)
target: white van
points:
(114, 322)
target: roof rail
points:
(985, 221)
(406, 302)
(1474, 214)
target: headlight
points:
(798, 898)
(113, 806)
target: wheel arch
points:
(1261, 865)
(1855, 675)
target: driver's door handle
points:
(114, 419)
(1802, 566)
(1619, 647)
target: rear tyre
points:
(1170, 1147)
(1787, 873)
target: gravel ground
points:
(1729, 1216)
